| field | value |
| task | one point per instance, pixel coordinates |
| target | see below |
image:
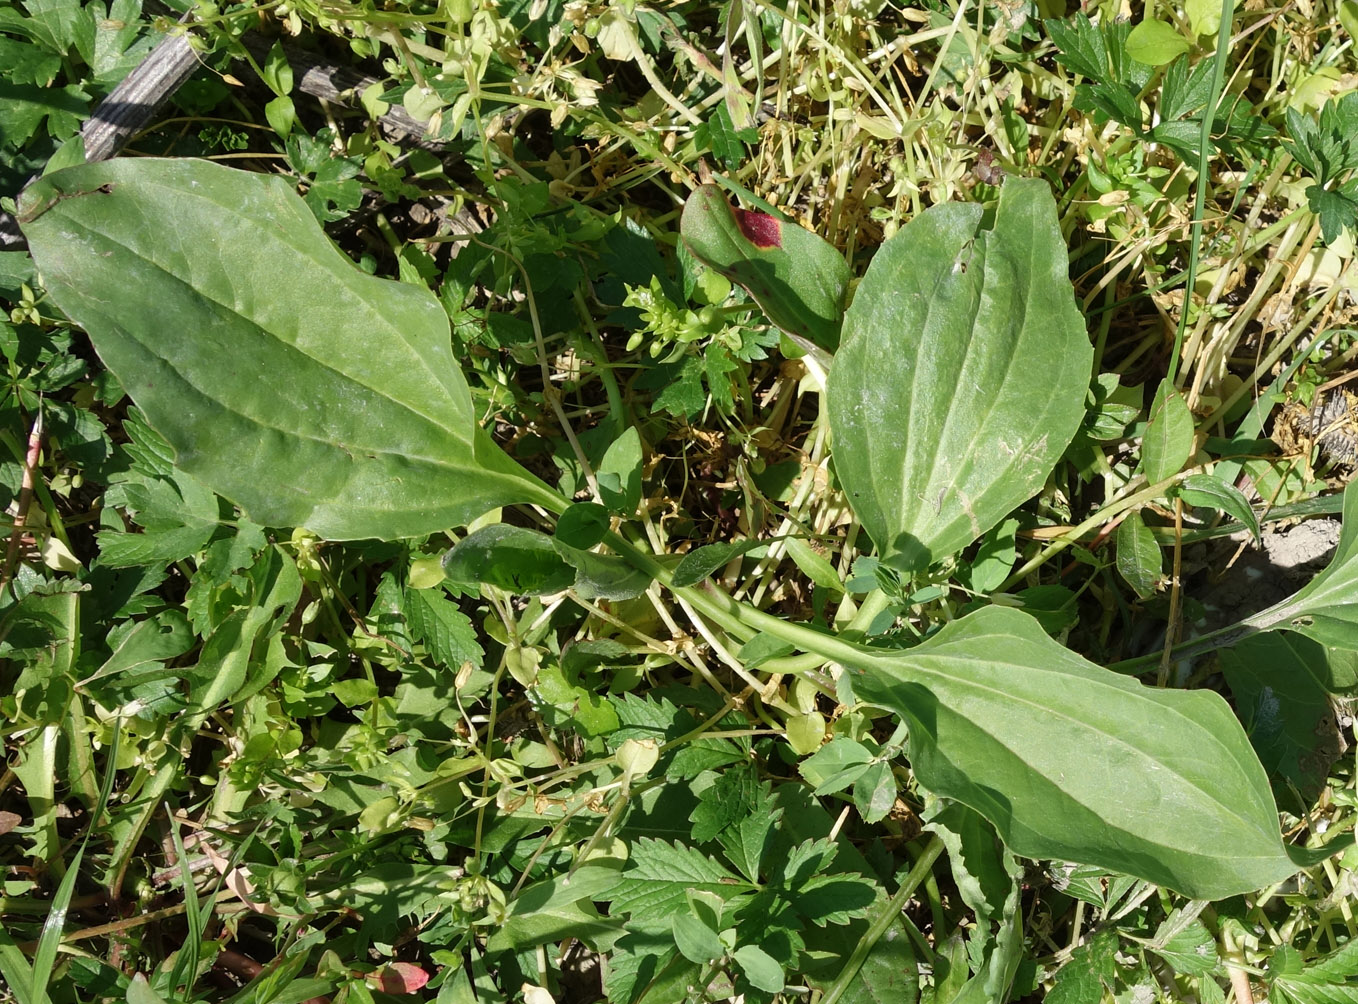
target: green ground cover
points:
(681, 502)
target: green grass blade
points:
(15, 970)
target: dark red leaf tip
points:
(760, 229)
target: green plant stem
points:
(918, 873)
(1220, 638)
(1098, 519)
(738, 619)
(1204, 167)
(873, 604)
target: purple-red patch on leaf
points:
(760, 229)
(398, 978)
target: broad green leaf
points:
(761, 648)
(286, 380)
(994, 558)
(1115, 407)
(1139, 560)
(796, 277)
(644, 968)
(1282, 684)
(1348, 17)
(814, 565)
(759, 967)
(1168, 441)
(695, 940)
(962, 375)
(555, 909)
(152, 641)
(701, 562)
(987, 878)
(836, 765)
(281, 114)
(1072, 761)
(619, 474)
(1189, 948)
(828, 898)
(1329, 980)
(1092, 967)
(1156, 43)
(140, 992)
(276, 71)
(874, 792)
(890, 973)
(1204, 16)
(979, 865)
(660, 875)
(1211, 491)
(513, 558)
(445, 630)
(1326, 608)
(805, 733)
(603, 576)
(566, 704)
(582, 525)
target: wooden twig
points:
(132, 105)
(126, 111)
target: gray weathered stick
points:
(130, 107)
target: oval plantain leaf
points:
(286, 380)
(1281, 683)
(961, 377)
(1326, 608)
(1072, 761)
(796, 277)
(514, 558)
(1139, 560)
(1168, 442)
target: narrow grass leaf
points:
(286, 380)
(1072, 761)
(14, 967)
